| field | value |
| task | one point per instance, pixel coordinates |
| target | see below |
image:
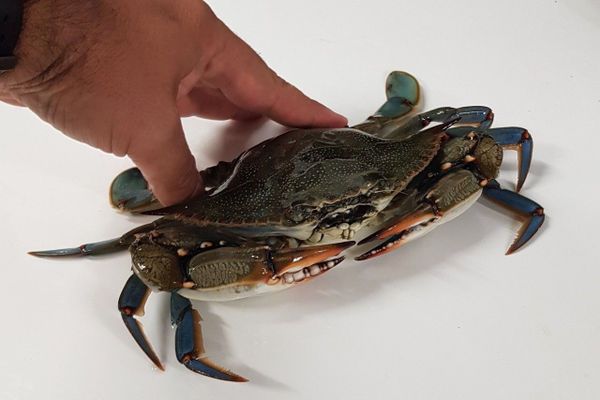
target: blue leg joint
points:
(532, 212)
(132, 300)
(516, 139)
(188, 342)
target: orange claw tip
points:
(345, 245)
(227, 375)
(205, 366)
(237, 378)
(529, 228)
(400, 225)
(231, 376)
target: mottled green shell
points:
(287, 181)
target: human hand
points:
(118, 75)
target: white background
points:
(448, 316)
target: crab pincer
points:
(215, 275)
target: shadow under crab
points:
(283, 211)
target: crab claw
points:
(403, 223)
(237, 272)
(291, 266)
(229, 273)
(129, 191)
(447, 199)
(401, 231)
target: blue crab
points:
(282, 212)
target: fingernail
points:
(338, 120)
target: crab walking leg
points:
(463, 119)
(518, 139)
(131, 302)
(475, 116)
(129, 191)
(231, 273)
(403, 97)
(103, 247)
(447, 199)
(403, 94)
(466, 119)
(188, 341)
(88, 249)
(531, 212)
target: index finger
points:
(246, 80)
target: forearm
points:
(119, 74)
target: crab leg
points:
(463, 118)
(88, 249)
(129, 191)
(131, 302)
(476, 116)
(530, 211)
(403, 96)
(517, 139)
(188, 341)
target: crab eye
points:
(298, 212)
(157, 267)
(295, 214)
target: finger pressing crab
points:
(282, 212)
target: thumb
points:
(163, 156)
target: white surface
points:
(448, 316)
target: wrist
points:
(11, 15)
(52, 36)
